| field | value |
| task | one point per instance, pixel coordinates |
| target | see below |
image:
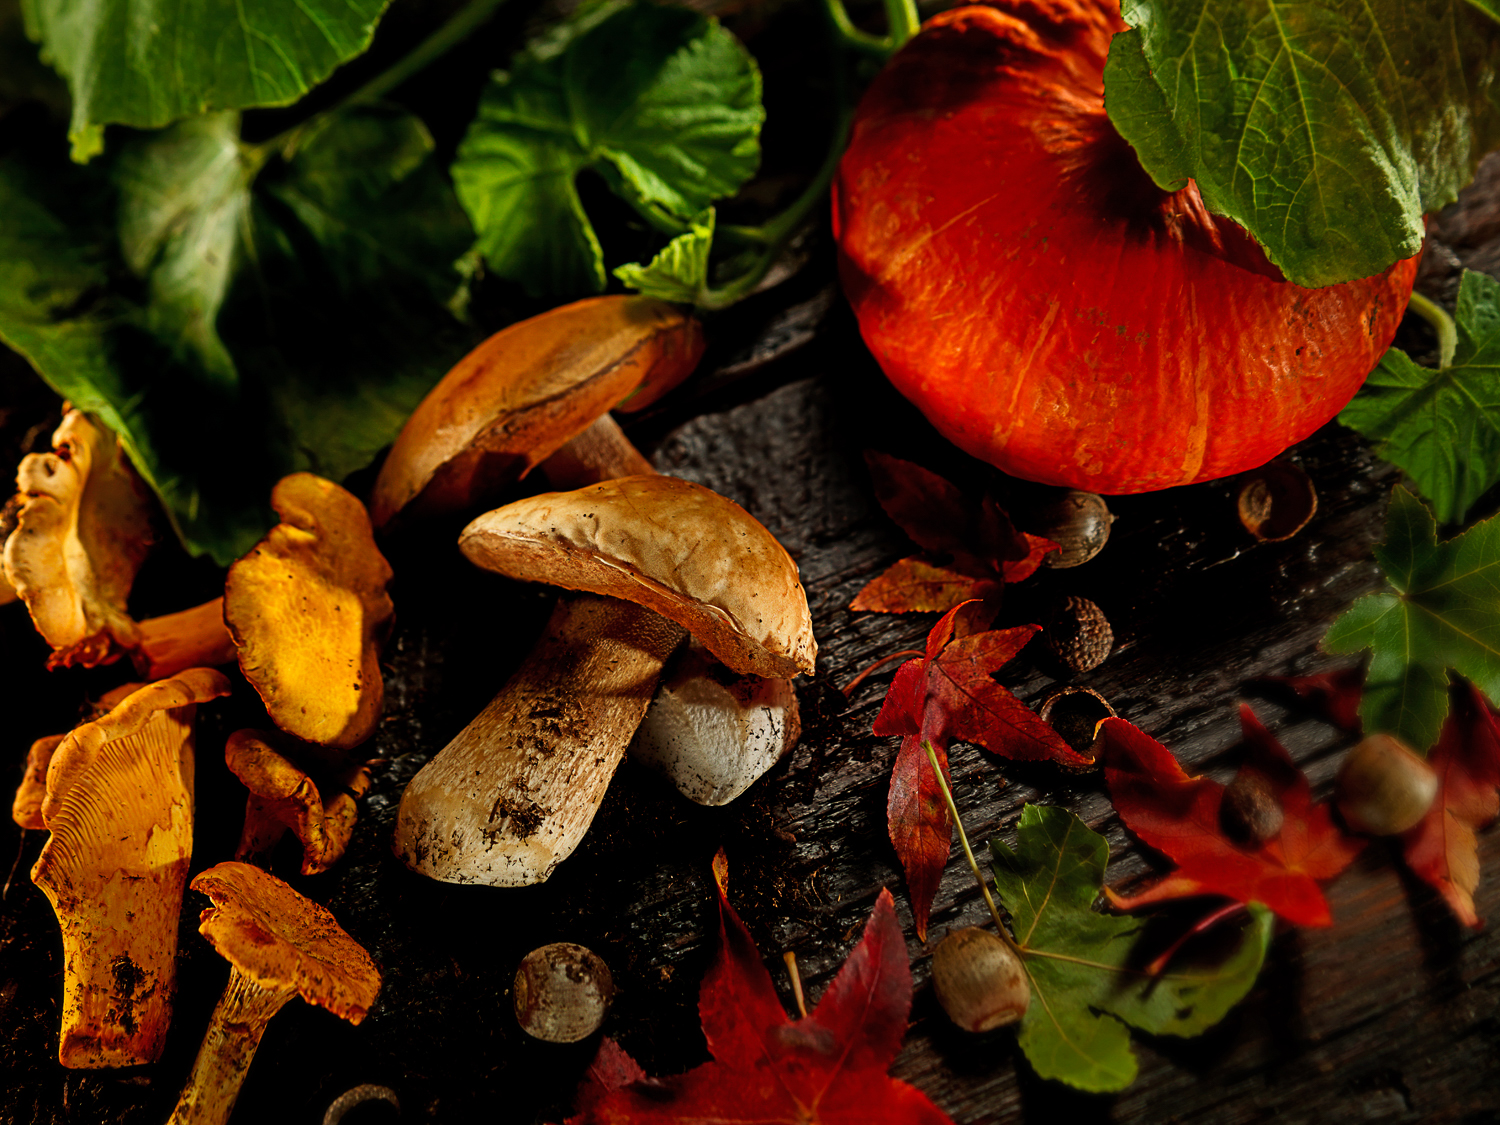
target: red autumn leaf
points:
(1442, 849)
(1178, 815)
(826, 1069)
(950, 695)
(973, 548)
(1334, 695)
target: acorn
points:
(1078, 522)
(562, 992)
(1250, 812)
(1074, 712)
(1383, 788)
(1079, 635)
(1276, 501)
(979, 980)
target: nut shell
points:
(979, 980)
(1079, 635)
(1277, 501)
(1250, 812)
(1074, 713)
(1078, 522)
(562, 992)
(1383, 788)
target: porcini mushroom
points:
(82, 532)
(308, 611)
(491, 808)
(279, 945)
(527, 390)
(284, 796)
(119, 805)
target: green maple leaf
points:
(1326, 128)
(661, 102)
(1085, 986)
(1442, 612)
(1443, 426)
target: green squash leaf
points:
(1442, 427)
(1085, 981)
(663, 103)
(680, 272)
(1443, 612)
(1324, 127)
(131, 65)
(231, 332)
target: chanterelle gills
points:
(83, 528)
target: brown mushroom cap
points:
(525, 391)
(670, 545)
(280, 939)
(307, 608)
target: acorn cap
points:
(283, 941)
(676, 547)
(308, 611)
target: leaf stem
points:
(791, 968)
(877, 47)
(1437, 316)
(848, 689)
(963, 839)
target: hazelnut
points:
(1079, 635)
(1073, 713)
(1251, 812)
(1277, 501)
(1383, 788)
(562, 992)
(979, 980)
(1078, 522)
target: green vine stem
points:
(963, 839)
(1437, 316)
(902, 22)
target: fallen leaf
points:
(826, 1069)
(1335, 696)
(1442, 849)
(1087, 979)
(1178, 815)
(948, 695)
(972, 547)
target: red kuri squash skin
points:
(1020, 278)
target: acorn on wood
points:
(1276, 501)
(1074, 713)
(1250, 812)
(979, 980)
(562, 992)
(1383, 788)
(1078, 522)
(1079, 635)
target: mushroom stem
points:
(193, 638)
(229, 1045)
(513, 794)
(601, 452)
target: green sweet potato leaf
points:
(1442, 427)
(1086, 980)
(1442, 612)
(147, 66)
(1324, 127)
(663, 103)
(234, 322)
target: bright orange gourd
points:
(1020, 278)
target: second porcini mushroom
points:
(476, 812)
(279, 945)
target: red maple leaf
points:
(1333, 695)
(945, 696)
(828, 1068)
(1442, 849)
(1179, 816)
(972, 548)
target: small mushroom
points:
(279, 945)
(495, 806)
(193, 638)
(284, 796)
(82, 532)
(712, 732)
(308, 611)
(526, 391)
(119, 805)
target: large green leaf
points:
(1085, 967)
(1443, 426)
(661, 102)
(232, 331)
(148, 65)
(1443, 612)
(1324, 127)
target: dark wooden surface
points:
(1393, 1015)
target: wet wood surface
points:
(1392, 1015)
